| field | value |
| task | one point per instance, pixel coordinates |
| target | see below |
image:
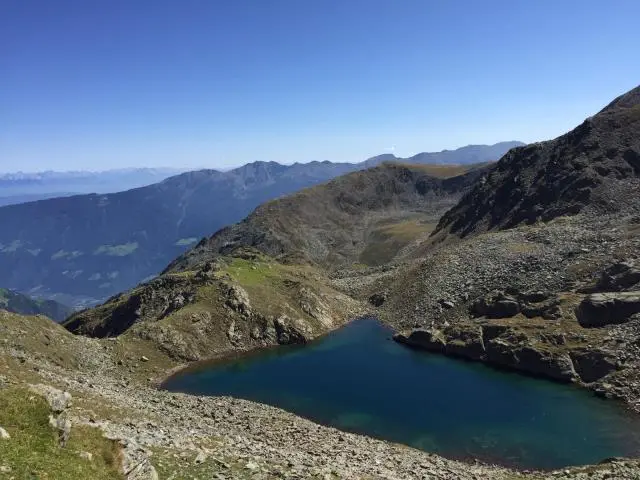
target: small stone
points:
(252, 466)
(58, 400)
(86, 456)
(63, 425)
(4, 435)
(144, 359)
(201, 457)
(5, 469)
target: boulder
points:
(619, 276)
(286, 332)
(4, 435)
(592, 365)
(496, 304)
(534, 296)
(465, 342)
(499, 304)
(58, 400)
(548, 310)
(200, 458)
(459, 341)
(378, 299)
(531, 360)
(447, 304)
(237, 298)
(86, 456)
(546, 364)
(63, 425)
(431, 340)
(600, 309)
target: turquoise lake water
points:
(359, 380)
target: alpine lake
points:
(357, 379)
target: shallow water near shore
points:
(359, 380)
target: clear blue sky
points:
(94, 84)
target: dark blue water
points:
(357, 379)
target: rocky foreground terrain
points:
(107, 386)
(530, 264)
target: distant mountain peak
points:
(460, 156)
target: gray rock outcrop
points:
(499, 304)
(601, 309)
(618, 277)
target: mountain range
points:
(21, 187)
(17, 303)
(529, 264)
(84, 248)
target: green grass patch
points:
(253, 272)
(33, 450)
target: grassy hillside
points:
(340, 222)
(33, 451)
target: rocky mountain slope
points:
(17, 303)
(545, 279)
(596, 167)
(348, 220)
(514, 297)
(24, 198)
(84, 248)
(264, 281)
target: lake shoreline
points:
(252, 356)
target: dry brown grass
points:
(385, 241)
(439, 171)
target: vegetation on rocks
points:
(33, 449)
(235, 303)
